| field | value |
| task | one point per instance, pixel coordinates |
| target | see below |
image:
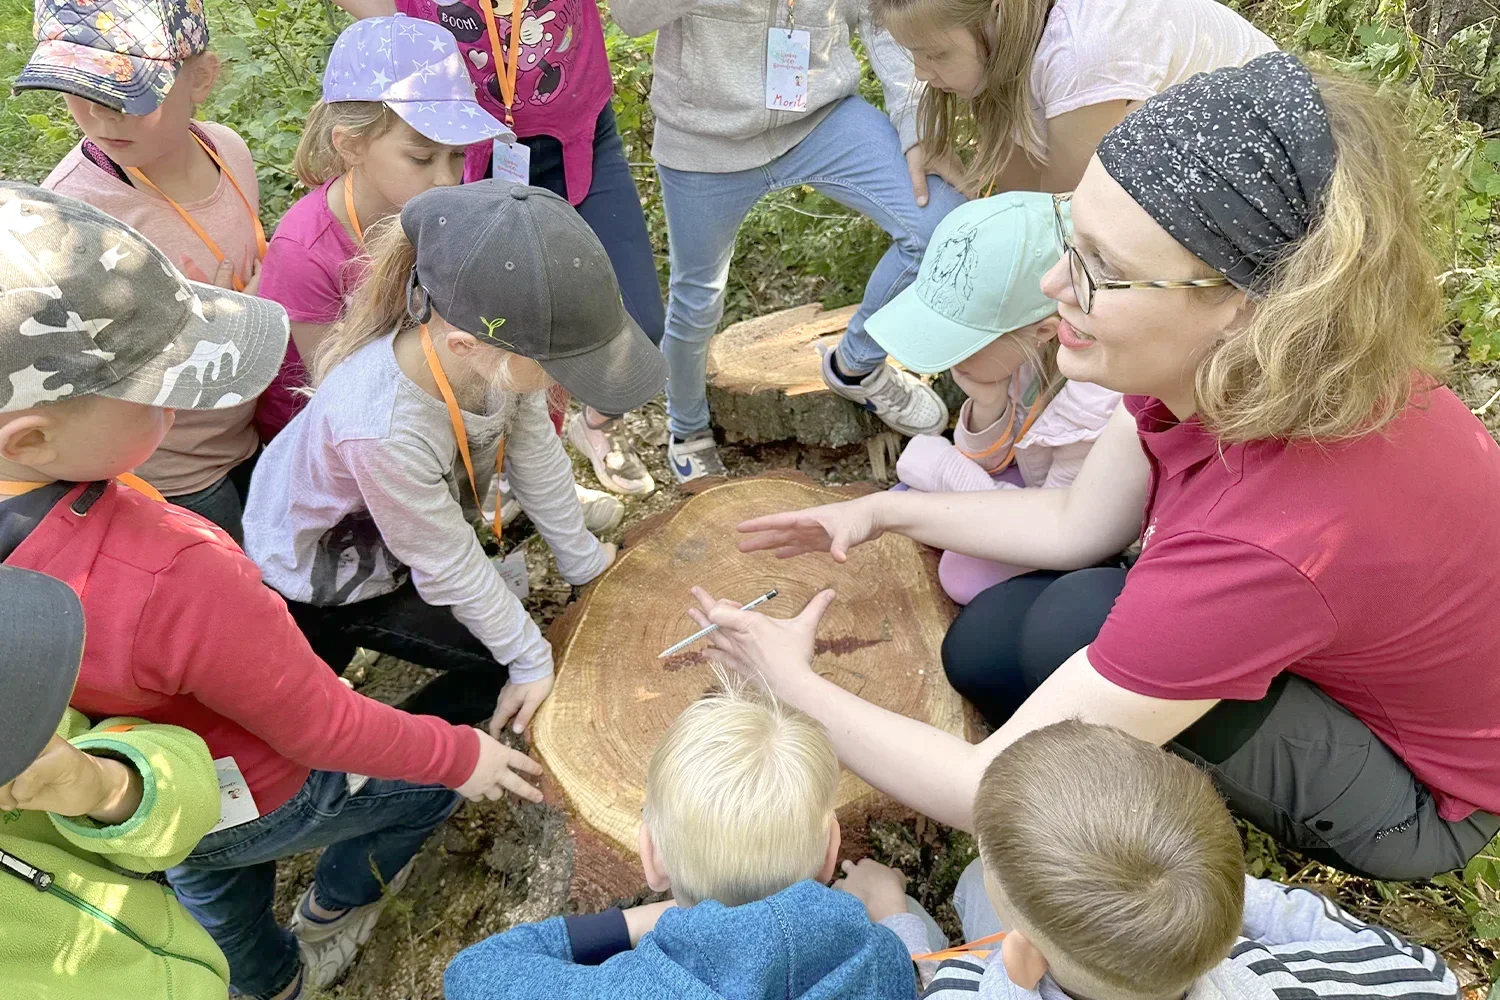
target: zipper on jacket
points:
(43, 881)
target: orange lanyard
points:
(213, 248)
(959, 951)
(359, 231)
(1012, 435)
(505, 71)
(456, 417)
(16, 488)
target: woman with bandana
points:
(1311, 617)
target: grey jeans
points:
(1300, 766)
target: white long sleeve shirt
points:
(365, 489)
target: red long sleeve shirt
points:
(180, 630)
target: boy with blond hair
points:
(739, 824)
(1115, 871)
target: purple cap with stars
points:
(414, 68)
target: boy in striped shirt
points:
(1115, 871)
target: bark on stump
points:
(1460, 68)
(614, 699)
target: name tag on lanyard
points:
(511, 162)
(787, 61)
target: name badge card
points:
(786, 69)
(512, 570)
(236, 804)
(512, 162)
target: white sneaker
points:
(611, 451)
(903, 401)
(329, 947)
(601, 512)
(510, 507)
(695, 457)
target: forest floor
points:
(497, 864)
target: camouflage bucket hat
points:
(89, 307)
(123, 54)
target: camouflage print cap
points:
(123, 54)
(89, 307)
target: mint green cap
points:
(980, 279)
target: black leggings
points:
(1296, 763)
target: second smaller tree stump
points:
(765, 381)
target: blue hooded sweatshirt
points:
(808, 942)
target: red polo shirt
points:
(1370, 567)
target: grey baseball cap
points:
(516, 266)
(41, 626)
(91, 308)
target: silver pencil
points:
(763, 598)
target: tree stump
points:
(614, 699)
(765, 381)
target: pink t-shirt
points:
(1366, 567)
(309, 270)
(562, 81)
(203, 445)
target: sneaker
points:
(329, 947)
(510, 507)
(903, 401)
(611, 451)
(601, 512)
(695, 457)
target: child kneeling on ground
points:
(476, 299)
(1115, 871)
(977, 310)
(102, 340)
(739, 824)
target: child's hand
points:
(520, 701)
(66, 781)
(252, 287)
(881, 889)
(611, 551)
(494, 774)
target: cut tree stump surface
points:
(765, 381)
(614, 699)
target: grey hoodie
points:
(708, 87)
(1295, 945)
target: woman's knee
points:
(1065, 618)
(980, 652)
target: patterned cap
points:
(123, 54)
(414, 68)
(90, 307)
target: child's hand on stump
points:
(495, 773)
(521, 702)
(881, 889)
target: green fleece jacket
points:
(98, 930)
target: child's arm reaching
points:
(542, 478)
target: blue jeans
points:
(228, 883)
(854, 156)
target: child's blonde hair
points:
(1120, 855)
(999, 119)
(1353, 312)
(740, 797)
(378, 305)
(318, 159)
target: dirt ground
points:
(498, 864)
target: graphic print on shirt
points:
(951, 282)
(348, 550)
(548, 32)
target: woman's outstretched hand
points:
(776, 650)
(833, 528)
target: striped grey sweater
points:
(1296, 945)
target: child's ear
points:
(656, 875)
(1024, 964)
(831, 858)
(460, 344)
(1046, 330)
(350, 149)
(204, 68)
(26, 440)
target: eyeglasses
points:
(1084, 285)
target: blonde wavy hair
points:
(1350, 322)
(740, 796)
(999, 120)
(318, 159)
(379, 301)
